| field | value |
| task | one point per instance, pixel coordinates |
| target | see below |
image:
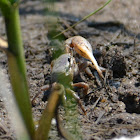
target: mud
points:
(112, 110)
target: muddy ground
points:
(114, 33)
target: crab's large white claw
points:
(83, 47)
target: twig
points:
(105, 79)
(135, 42)
(121, 43)
(100, 116)
(115, 37)
(97, 78)
(92, 108)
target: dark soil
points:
(114, 34)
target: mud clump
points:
(132, 102)
(115, 62)
(118, 66)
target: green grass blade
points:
(45, 122)
(49, 112)
(16, 65)
(4, 2)
(86, 17)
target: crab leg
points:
(75, 96)
(83, 85)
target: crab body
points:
(64, 69)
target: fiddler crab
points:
(65, 68)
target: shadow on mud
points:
(113, 26)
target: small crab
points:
(64, 68)
(82, 47)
